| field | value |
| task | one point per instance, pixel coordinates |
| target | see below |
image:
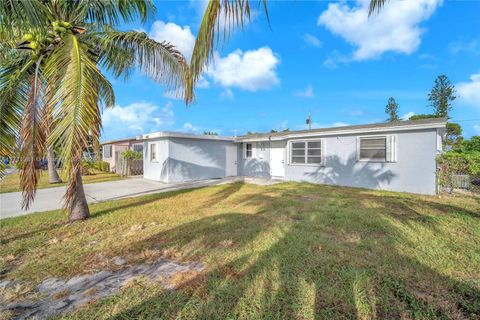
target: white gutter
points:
(170, 134)
(343, 132)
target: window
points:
(138, 147)
(107, 151)
(373, 148)
(248, 150)
(306, 152)
(153, 152)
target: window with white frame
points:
(373, 148)
(306, 152)
(138, 147)
(153, 152)
(107, 151)
(248, 150)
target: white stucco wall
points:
(414, 170)
(185, 159)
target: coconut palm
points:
(53, 53)
(220, 17)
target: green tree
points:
(453, 134)
(210, 133)
(422, 116)
(52, 54)
(441, 96)
(472, 145)
(391, 109)
(64, 44)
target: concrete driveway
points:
(51, 198)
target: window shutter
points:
(358, 148)
(324, 155)
(391, 148)
(244, 150)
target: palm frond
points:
(14, 92)
(75, 77)
(375, 6)
(113, 12)
(32, 139)
(120, 52)
(21, 15)
(220, 16)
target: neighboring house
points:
(397, 156)
(111, 150)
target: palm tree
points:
(52, 53)
(375, 6)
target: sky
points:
(324, 58)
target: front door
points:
(231, 160)
(277, 159)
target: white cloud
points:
(251, 70)
(469, 92)
(227, 94)
(396, 28)
(312, 40)
(305, 93)
(202, 83)
(407, 115)
(138, 117)
(340, 124)
(181, 37)
(472, 46)
(187, 126)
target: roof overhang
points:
(171, 134)
(343, 131)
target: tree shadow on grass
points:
(307, 258)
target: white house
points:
(397, 156)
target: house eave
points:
(344, 131)
(170, 134)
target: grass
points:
(11, 183)
(287, 251)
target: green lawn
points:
(286, 251)
(11, 182)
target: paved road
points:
(51, 198)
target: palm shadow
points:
(348, 269)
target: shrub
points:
(131, 155)
(102, 166)
(451, 163)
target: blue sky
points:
(324, 57)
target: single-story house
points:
(112, 149)
(396, 156)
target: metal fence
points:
(129, 167)
(461, 182)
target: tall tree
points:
(52, 54)
(391, 109)
(453, 134)
(441, 96)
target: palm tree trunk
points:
(53, 176)
(79, 209)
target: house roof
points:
(117, 141)
(171, 134)
(368, 128)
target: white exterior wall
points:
(413, 171)
(187, 159)
(413, 168)
(155, 170)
